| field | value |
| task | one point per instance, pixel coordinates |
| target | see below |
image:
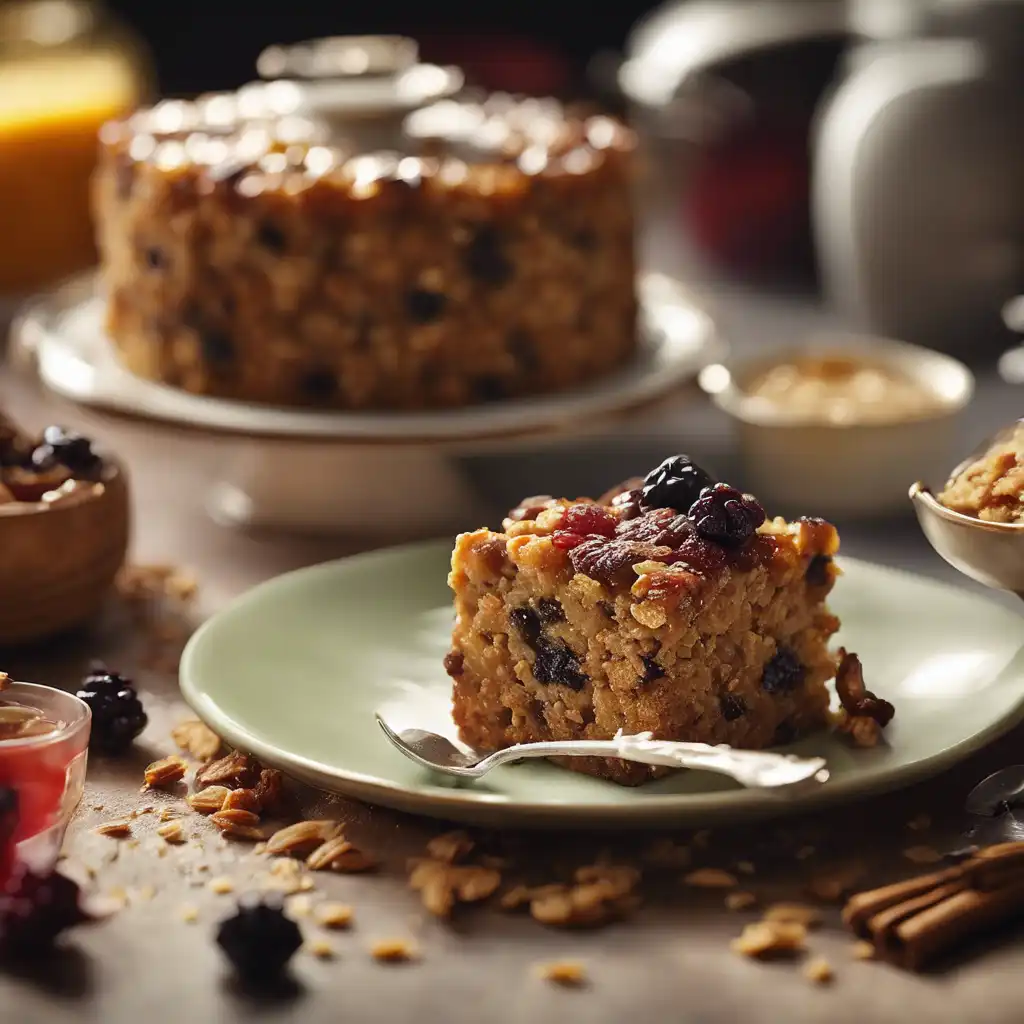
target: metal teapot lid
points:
(681, 38)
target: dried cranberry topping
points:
(567, 541)
(783, 673)
(726, 515)
(36, 908)
(700, 555)
(732, 706)
(556, 662)
(588, 519)
(676, 483)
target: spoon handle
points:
(758, 769)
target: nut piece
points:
(114, 829)
(793, 913)
(197, 739)
(451, 846)
(320, 948)
(862, 950)
(570, 973)
(240, 799)
(770, 938)
(302, 837)
(441, 885)
(237, 824)
(818, 970)
(165, 772)
(221, 885)
(334, 915)
(711, 878)
(171, 832)
(235, 771)
(208, 800)
(338, 854)
(394, 951)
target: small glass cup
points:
(47, 771)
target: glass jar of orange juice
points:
(65, 68)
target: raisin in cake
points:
(670, 605)
(263, 259)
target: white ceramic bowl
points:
(801, 466)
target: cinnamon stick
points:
(913, 921)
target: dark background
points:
(213, 44)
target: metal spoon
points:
(753, 768)
(991, 553)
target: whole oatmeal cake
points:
(991, 487)
(669, 605)
(256, 257)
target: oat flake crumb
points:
(922, 855)
(172, 832)
(710, 878)
(770, 938)
(115, 829)
(739, 900)
(790, 913)
(190, 914)
(321, 949)
(862, 950)
(335, 915)
(221, 885)
(570, 973)
(393, 951)
(818, 970)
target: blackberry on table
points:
(259, 940)
(725, 515)
(36, 908)
(117, 713)
(677, 483)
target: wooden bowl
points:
(59, 559)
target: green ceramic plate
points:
(294, 670)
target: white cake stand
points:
(353, 472)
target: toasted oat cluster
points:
(259, 259)
(670, 605)
(992, 486)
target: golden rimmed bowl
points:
(59, 556)
(991, 553)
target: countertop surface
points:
(668, 961)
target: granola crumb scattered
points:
(189, 914)
(441, 885)
(165, 772)
(209, 800)
(98, 807)
(115, 829)
(238, 824)
(818, 970)
(197, 739)
(922, 855)
(451, 846)
(793, 913)
(168, 814)
(710, 878)
(172, 832)
(862, 950)
(920, 823)
(334, 915)
(300, 906)
(394, 951)
(321, 949)
(740, 899)
(770, 938)
(221, 885)
(338, 854)
(570, 973)
(302, 837)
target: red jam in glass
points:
(44, 739)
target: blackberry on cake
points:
(672, 605)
